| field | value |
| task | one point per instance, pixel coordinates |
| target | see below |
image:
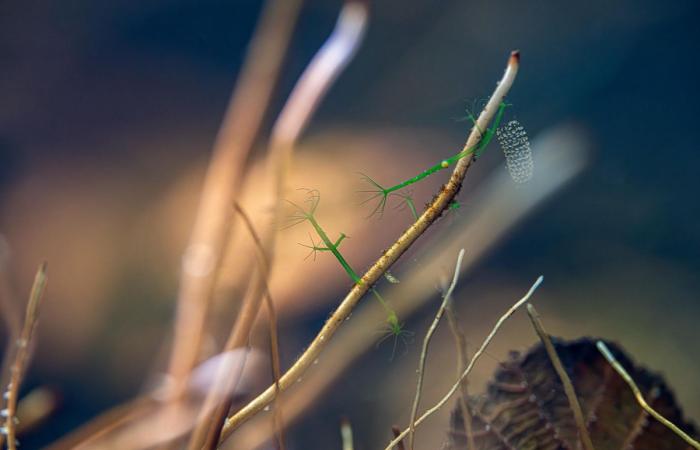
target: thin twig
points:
(563, 376)
(426, 343)
(433, 211)
(236, 137)
(324, 68)
(11, 316)
(234, 141)
(223, 379)
(272, 325)
(462, 358)
(346, 434)
(476, 356)
(640, 398)
(22, 356)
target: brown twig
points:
(272, 324)
(476, 356)
(426, 343)
(22, 355)
(433, 211)
(234, 141)
(563, 376)
(605, 351)
(462, 358)
(324, 68)
(11, 315)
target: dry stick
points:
(236, 137)
(22, 356)
(462, 358)
(324, 68)
(563, 376)
(234, 141)
(426, 342)
(497, 208)
(640, 398)
(476, 356)
(272, 324)
(343, 311)
(11, 315)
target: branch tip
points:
(514, 58)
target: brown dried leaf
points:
(525, 406)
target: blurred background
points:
(109, 111)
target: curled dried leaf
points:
(525, 406)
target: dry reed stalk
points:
(563, 376)
(426, 343)
(323, 69)
(234, 141)
(605, 351)
(11, 316)
(462, 359)
(22, 354)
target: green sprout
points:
(307, 214)
(382, 193)
(396, 330)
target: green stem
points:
(333, 248)
(476, 149)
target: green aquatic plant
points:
(378, 191)
(308, 214)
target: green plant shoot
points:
(383, 193)
(308, 215)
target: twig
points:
(434, 210)
(223, 378)
(324, 68)
(346, 434)
(476, 356)
(640, 398)
(272, 325)
(236, 136)
(497, 208)
(22, 356)
(462, 358)
(11, 315)
(563, 376)
(426, 342)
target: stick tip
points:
(539, 281)
(514, 58)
